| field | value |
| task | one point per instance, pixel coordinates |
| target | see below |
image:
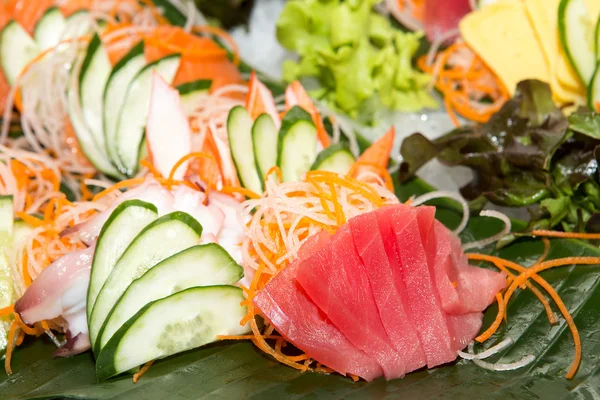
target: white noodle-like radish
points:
(489, 352)
(439, 42)
(526, 360)
(446, 194)
(493, 239)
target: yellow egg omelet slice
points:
(565, 84)
(503, 37)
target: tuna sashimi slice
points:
(428, 317)
(336, 281)
(285, 305)
(463, 329)
(476, 286)
(396, 321)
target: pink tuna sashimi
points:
(335, 279)
(463, 328)
(477, 287)
(427, 314)
(441, 18)
(285, 305)
(370, 246)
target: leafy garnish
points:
(528, 154)
(359, 59)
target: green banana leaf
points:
(236, 370)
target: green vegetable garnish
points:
(528, 154)
(356, 55)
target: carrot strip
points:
(275, 169)
(118, 186)
(565, 235)
(150, 167)
(224, 35)
(10, 347)
(33, 221)
(496, 324)
(7, 310)
(187, 157)
(240, 190)
(142, 371)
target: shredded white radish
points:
(489, 352)
(492, 239)
(403, 16)
(284, 206)
(526, 360)
(446, 194)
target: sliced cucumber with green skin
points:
(336, 158)
(17, 48)
(594, 90)
(297, 146)
(123, 225)
(21, 230)
(93, 153)
(597, 40)
(7, 293)
(134, 113)
(239, 131)
(202, 265)
(158, 241)
(49, 28)
(192, 93)
(183, 321)
(94, 74)
(576, 38)
(264, 143)
(115, 92)
(80, 29)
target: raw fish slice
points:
(285, 304)
(396, 321)
(428, 316)
(441, 18)
(476, 286)
(336, 281)
(463, 329)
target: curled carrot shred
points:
(142, 371)
(10, 347)
(496, 324)
(240, 190)
(565, 235)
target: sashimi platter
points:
(232, 199)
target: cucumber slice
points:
(336, 158)
(594, 90)
(575, 34)
(49, 28)
(202, 265)
(134, 113)
(183, 321)
(264, 143)
(297, 147)
(193, 92)
(123, 225)
(21, 230)
(77, 26)
(85, 138)
(115, 92)
(7, 293)
(17, 48)
(157, 241)
(94, 74)
(597, 40)
(239, 131)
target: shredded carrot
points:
(190, 156)
(10, 347)
(245, 337)
(502, 264)
(20, 338)
(150, 167)
(499, 317)
(118, 186)
(26, 276)
(566, 235)
(28, 330)
(466, 83)
(142, 371)
(7, 310)
(275, 169)
(222, 34)
(240, 190)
